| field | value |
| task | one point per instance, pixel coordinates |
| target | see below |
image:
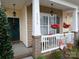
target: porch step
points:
(30, 57)
(20, 51)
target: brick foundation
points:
(36, 46)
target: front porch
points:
(35, 24)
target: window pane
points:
(44, 20)
(58, 22)
(41, 20)
(44, 25)
(51, 20)
(44, 30)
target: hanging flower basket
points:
(66, 25)
(55, 26)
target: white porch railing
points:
(51, 42)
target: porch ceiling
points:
(76, 2)
(20, 3)
(55, 5)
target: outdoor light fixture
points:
(14, 12)
(51, 11)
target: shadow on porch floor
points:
(20, 51)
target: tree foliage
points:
(6, 51)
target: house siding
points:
(43, 9)
(29, 22)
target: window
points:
(45, 24)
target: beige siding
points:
(29, 21)
(9, 12)
(43, 9)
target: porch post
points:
(36, 28)
(75, 25)
(75, 21)
(36, 18)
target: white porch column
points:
(75, 25)
(36, 28)
(75, 21)
(36, 18)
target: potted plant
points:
(69, 45)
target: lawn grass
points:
(73, 54)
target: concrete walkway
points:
(28, 57)
(20, 51)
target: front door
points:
(14, 25)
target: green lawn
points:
(70, 54)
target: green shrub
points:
(41, 57)
(6, 51)
(57, 55)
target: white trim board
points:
(61, 2)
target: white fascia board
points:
(65, 3)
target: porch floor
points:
(20, 51)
